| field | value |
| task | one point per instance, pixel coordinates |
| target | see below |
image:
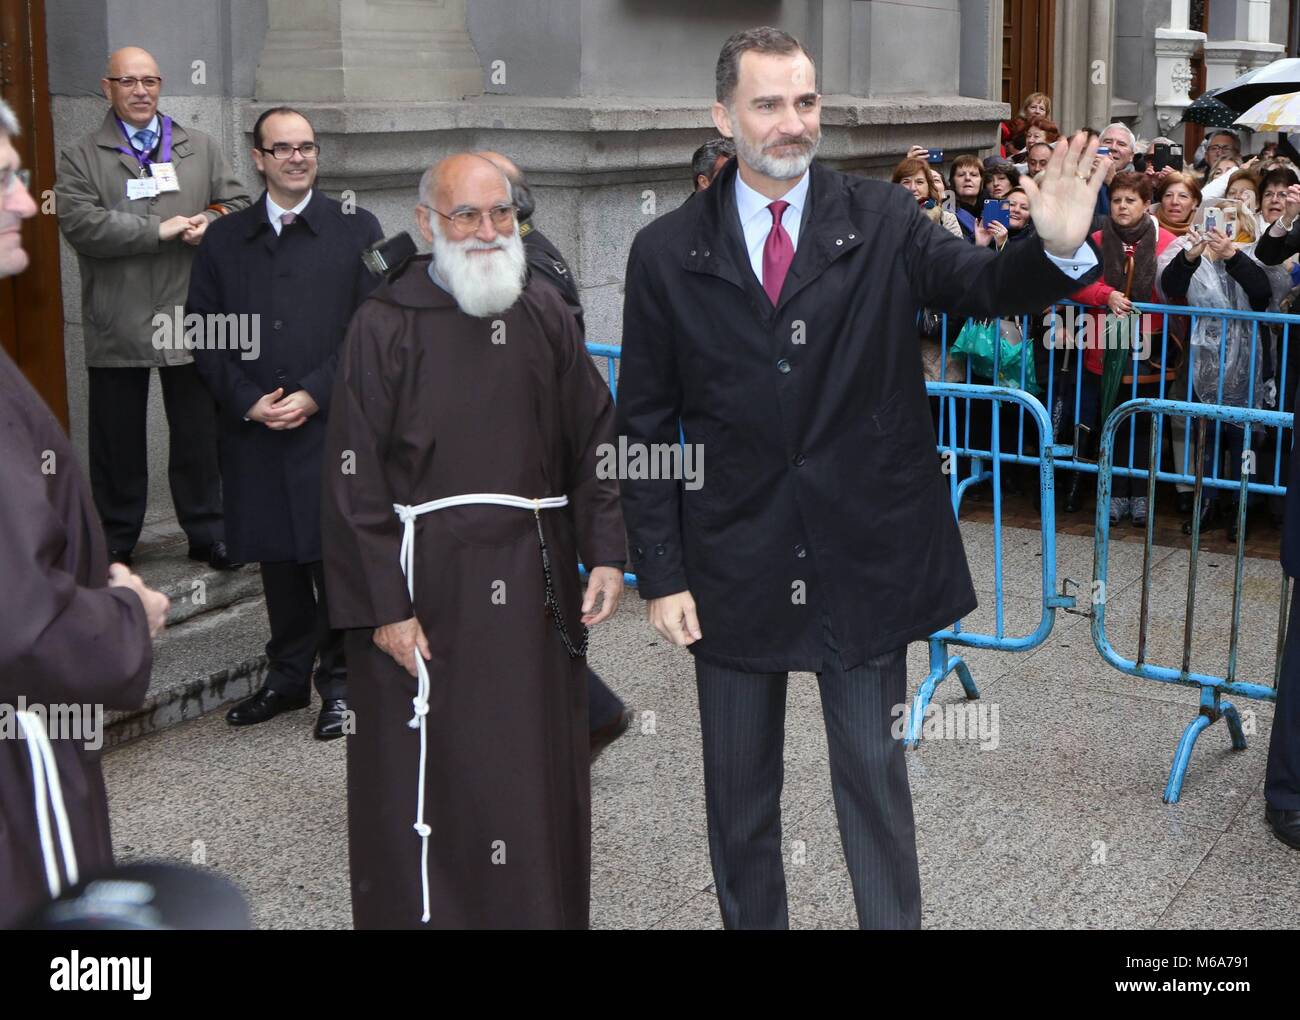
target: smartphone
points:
(997, 210)
(1082, 446)
(1166, 155)
(934, 155)
(1103, 151)
(1211, 219)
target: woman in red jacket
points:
(1128, 244)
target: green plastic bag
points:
(976, 341)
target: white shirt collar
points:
(274, 212)
(750, 204)
(153, 125)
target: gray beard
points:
(482, 285)
(779, 168)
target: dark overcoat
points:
(304, 286)
(822, 491)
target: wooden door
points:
(1028, 28)
(31, 304)
(1197, 20)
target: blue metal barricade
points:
(1212, 688)
(942, 661)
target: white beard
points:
(779, 168)
(482, 285)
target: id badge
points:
(165, 176)
(141, 187)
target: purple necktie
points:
(778, 253)
(287, 218)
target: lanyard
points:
(164, 155)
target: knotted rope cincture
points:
(420, 703)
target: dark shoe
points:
(330, 722)
(1207, 517)
(1285, 825)
(265, 704)
(122, 556)
(610, 732)
(215, 556)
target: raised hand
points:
(1062, 206)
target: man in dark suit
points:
(289, 266)
(1282, 778)
(772, 317)
(607, 717)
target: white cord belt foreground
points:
(408, 515)
(49, 793)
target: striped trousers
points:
(742, 717)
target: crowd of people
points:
(1212, 233)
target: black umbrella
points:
(1209, 110)
(1274, 79)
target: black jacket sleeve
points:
(1177, 277)
(1273, 251)
(649, 406)
(1250, 276)
(974, 282)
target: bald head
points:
(461, 183)
(502, 163)
(137, 102)
(131, 60)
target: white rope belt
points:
(49, 792)
(408, 515)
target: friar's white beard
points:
(482, 285)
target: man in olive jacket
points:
(773, 318)
(134, 199)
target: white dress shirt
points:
(756, 218)
(756, 224)
(274, 212)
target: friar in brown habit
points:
(74, 634)
(461, 490)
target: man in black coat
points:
(607, 717)
(773, 317)
(1282, 778)
(289, 267)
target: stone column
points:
(1101, 38)
(1226, 59)
(367, 51)
(1175, 48)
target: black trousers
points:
(1282, 777)
(742, 718)
(119, 452)
(300, 631)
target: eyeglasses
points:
(1221, 148)
(283, 150)
(8, 175)
(468, 220)
(149, 81)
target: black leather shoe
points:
(1285, 825)
(215, 556)
(122, 556)
(333, 714)
(265, 704)
(610, 732)
(1207, 517)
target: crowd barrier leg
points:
(941, 664)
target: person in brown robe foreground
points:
(457, 377)
(72, 632)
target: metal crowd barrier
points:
(1212, 688)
